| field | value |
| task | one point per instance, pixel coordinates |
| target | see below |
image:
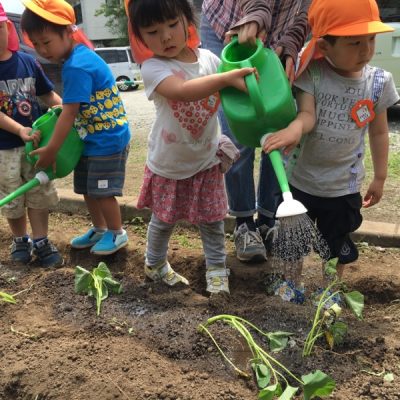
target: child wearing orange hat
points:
(22, 80)
(340, 98)
(92, 102)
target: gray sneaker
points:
(249, 244)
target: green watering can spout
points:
(67, 157)
(40, 179)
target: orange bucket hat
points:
(59, 12)
(141, 52)
(13, 43)
(340, 18)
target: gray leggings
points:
(159, 233)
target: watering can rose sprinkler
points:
(67, 157)
(267, 107)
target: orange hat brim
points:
(360, 28)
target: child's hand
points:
(235, 78)
(374, 193)
(47, 157)
(286, 139)
(26, 135)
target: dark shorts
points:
(336, 218)
(101, 176)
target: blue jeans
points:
(242, 197)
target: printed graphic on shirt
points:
(17, 96)
(105, 111)
(193, 116)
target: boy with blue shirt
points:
(21, 81)
(92, 102)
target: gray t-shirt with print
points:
(330, 161)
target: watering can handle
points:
(254, 90)
(56, 110)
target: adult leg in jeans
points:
(239, 179)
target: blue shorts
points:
(101, 176)
(336, 218)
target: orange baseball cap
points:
(340, 18)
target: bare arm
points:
(47, 154)
(51, 99)
(13, 127)
(175, 88)
(289, 137)
(379, 145)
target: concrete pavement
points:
(375, 233)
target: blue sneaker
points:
(47, 254)
(90, 238)
(110, 243)
(21, 250)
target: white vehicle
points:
(125, 71)
(387, 48)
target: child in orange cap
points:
(22, 81)
(340, 98)
(92, 102)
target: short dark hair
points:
(33, 23)
(143, 13)
(330, 39)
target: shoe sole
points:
(107, 252)
(255, 258)
(82, 246)
(54, 265)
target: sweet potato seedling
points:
(325, 322)
(271, 375)
(97, 283)
(7, 298)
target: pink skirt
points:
(198, 199)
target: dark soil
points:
(145, 343)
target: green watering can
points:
(67, 157)
(267, 107)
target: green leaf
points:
(317, 384)
(263, 375)
(389, 377)
(338, 331)
(102, 271)
(288, 393)
(113, 285)
(278, 340)
(8, 298)
(355, 300)
(330, 267)
(268, 393)
(83, 280)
